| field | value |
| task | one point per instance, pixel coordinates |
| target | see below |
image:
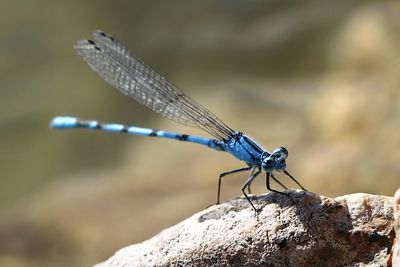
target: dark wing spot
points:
(94, 45)
(106, 35)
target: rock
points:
(396, 245)
(351, 230)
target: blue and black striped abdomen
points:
(243, 148)
(67, 122)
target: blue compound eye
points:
(284, 151)
(280, 152)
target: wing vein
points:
(130, 75)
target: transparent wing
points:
(130, 75)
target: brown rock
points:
(351, 230)
(396, 246)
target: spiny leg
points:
(246, 184)
(276, 180)
(288, 174)
(227, 173)
(273, 190)
(252, 172)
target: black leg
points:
(270, 189)
(226, 173)
(276, 180)
(246, 184)
(248, 187)
(288, 174)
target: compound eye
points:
(284, 151)
(281, 152)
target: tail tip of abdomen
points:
(61, 122)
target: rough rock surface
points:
(352, 230)
(396, 246)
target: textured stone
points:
(396, 245)
(352, 230)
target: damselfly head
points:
(276, 161)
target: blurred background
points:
(320, 77)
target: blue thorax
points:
(244, 148)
